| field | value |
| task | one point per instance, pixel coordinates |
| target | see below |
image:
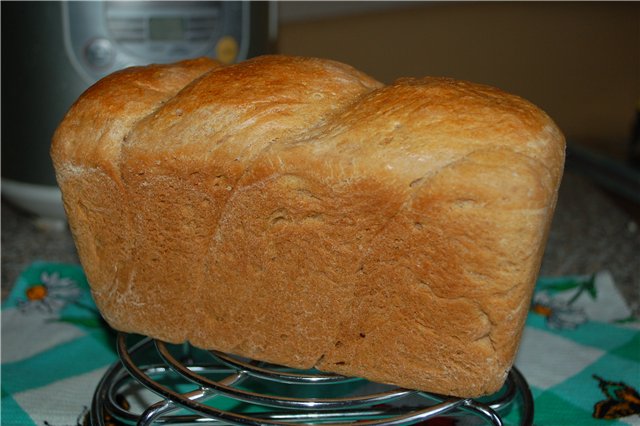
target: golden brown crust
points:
(86, 153)
(297, 211)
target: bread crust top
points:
(197, 104)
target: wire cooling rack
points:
(158, 383)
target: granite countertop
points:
(590, 233)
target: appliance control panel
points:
(104, 36)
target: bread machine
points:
(53, 51)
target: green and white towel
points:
(580, 351)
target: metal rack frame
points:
(379, 404)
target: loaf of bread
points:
(296, 211)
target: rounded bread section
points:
(182, 164)
(86, 151)
(412, 225)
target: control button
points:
(227, 49)
(99, 53)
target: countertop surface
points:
(590, 233)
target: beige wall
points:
(580, 61)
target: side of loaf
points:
(296, 211)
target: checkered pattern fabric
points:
(580, 350)
(580, 353)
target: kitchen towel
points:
(580, 351)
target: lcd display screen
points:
(166, 29)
